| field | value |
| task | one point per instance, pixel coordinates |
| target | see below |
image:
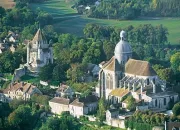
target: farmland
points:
(7, 4)
(68, 21)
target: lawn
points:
(68, 21)
(30, 79)
(7, 4)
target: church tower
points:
(39, 52)
(123, 51)
(112, 71)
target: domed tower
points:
(123, 49)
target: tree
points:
(131, 103)
(102, 110)
(4, 112)
(175, 62)
(21, 118)
(176, 109)
(46, 72)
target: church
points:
(39, 52)
(122, 76)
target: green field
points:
(68, 21)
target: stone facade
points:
(21, 91)
(83, 106)
(122, 76)
(59, 105)
(39, 52)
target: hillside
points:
(68, 21)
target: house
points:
(21, 90)
(97, 3)
(83, 106)
(112, 118)
(12, 37)
(3, 97)
(59, 105)
(64, 91)
(172, 125)
(13, 48)
(87, 8)
(93, 69)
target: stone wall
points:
(18, 73)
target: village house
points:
(21, 90)
(64, 91)
(59, 105)
(83, 106)
(3, 97)
(13, 48)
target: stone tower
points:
(39, 52)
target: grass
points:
(68, 21)
(30, 79)
(7, 4)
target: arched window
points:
(147, 81)
(154, 80)
(155, 102)
(164, 101)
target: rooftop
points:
(139, 67)
(60, 100)
(119, 92)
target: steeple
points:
(39, 36)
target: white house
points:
(59, 105)
(83, 106)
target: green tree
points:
(21, 118)
(175, 62)
(131, 103)
(101, 110)
(46, 72)
(176, 109)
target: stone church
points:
(39, 52)
(122, 76)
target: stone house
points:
(83, 106)
(59, 105)
(3, 97)
(113, 119)
(21, 90)
(64, 91)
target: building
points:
(83, 106)
(3, 97)
(39, 52)
(21, 90)
(13, 48)
(64, 91)
(122, 76)
(59, 105)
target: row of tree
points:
(125, 9)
